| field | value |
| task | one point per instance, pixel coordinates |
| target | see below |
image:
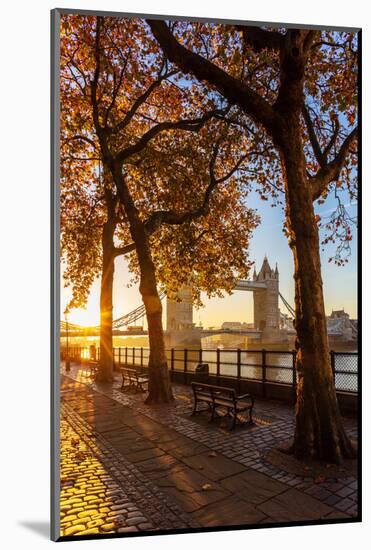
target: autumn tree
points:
(91, 213)
(184, 252)
(161, 167)
(89, 206)
(299, 87)
(90, 241)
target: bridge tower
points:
(179, 314)
(180, 328)
(266, 309)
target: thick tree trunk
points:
(159, 387)
(319, 433)
(105, 371)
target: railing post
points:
(264, 371)
(332, 360)
(218, 366)
(239, 370)
(172, 359)
(126, 356)
(119, 358)
(133, 355)
(141, 358)
(294, 375)
(185, 365)
(200, 355)
(172, 364)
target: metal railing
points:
(263, 366)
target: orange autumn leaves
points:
(138, 89)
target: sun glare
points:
(83, 317)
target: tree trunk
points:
(159, 387)
(319, 433)
(105, 371)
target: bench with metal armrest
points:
(216, 397)
(133, 379)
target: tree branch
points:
(170, 217)
(321, 158)
(310, 38)
(232, 89)
(191, 125)
(260, 39)
(79, 137)
(116, 90)
(94, 82)
(139, 101)
(333, 138)
(122, 250)
(331, 171)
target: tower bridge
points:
(267, 319)
(269, 324)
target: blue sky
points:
(340, 283)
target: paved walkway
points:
(128, 467)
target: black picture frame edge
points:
(55, 280)
(55, 277)
(196, 530)
(169, 17)
(359, 277)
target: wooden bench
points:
(93, 367)
(133, 379)
(90, 367)
(217, 397)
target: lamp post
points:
(68, 366)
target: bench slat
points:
(136, 379)
(220, 396)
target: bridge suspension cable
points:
(289, 308)
(133, 315)
(123, 321)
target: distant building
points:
(286, 322)
(339, 314)
(340, 326)
(236, 325)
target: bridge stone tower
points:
(180, 328)
(179, 314)
(266, 309)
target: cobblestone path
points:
(175, 473)
(101, 491)
(92, 502)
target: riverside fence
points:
(263, 368)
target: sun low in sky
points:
(84, 317)
(340, 283)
